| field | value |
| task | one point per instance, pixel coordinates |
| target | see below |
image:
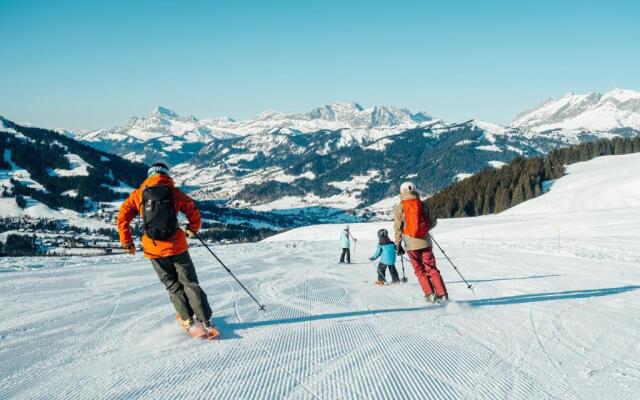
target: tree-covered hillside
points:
(495, 190)
(43, 152)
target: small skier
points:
(159, 202)
(386, 250)
(345, 241)
(413, 220)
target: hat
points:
(158, 168)
(383, 233)
(407, 187)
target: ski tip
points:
(213, 334)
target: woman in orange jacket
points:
(158, 202)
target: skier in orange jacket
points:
(158, 202)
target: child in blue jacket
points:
(386, 250)
(345, 241)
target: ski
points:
(199, 331)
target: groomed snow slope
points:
(553, 315)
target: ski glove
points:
(129, 248)
(191, 233)
(399, 249)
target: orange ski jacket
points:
(158, 248)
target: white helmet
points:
(407, 187)
(346, 227)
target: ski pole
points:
(229, 271)
(451, 262)
(404, 277)
(355, 242)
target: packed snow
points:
(552, 314)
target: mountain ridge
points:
(617, 108)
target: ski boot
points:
(185, 324)
(192, 328)
(211, 330)
(442, 299)
(431, 298)
(380, 282)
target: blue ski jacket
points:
(344, 239)
(387, 252)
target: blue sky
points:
(91, 64)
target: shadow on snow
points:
(537, 297)
(229, 329)
(506, 279)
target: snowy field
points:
(554, 313)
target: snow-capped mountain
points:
(343, 169)
(344, 155)
(618, 108)
(161, 123)
(165, 135)
(334, 116)
(72, 186)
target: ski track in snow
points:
(553, 315)
(104, 328)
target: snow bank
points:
(604, 183)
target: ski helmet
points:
(158, 168)
(382, 233)
(346, 227)
(407, 187)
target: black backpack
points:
(159, 214)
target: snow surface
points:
(491, 147)
(553, 314)
(462, 176)
(497, 164)
(79, 167)
(604, 183)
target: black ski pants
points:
(382, 272)
(346, 252)
(178, 274)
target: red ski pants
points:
(424, 265)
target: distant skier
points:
(386, 250)
(159, 202)
(345, 241)
(413, 220)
